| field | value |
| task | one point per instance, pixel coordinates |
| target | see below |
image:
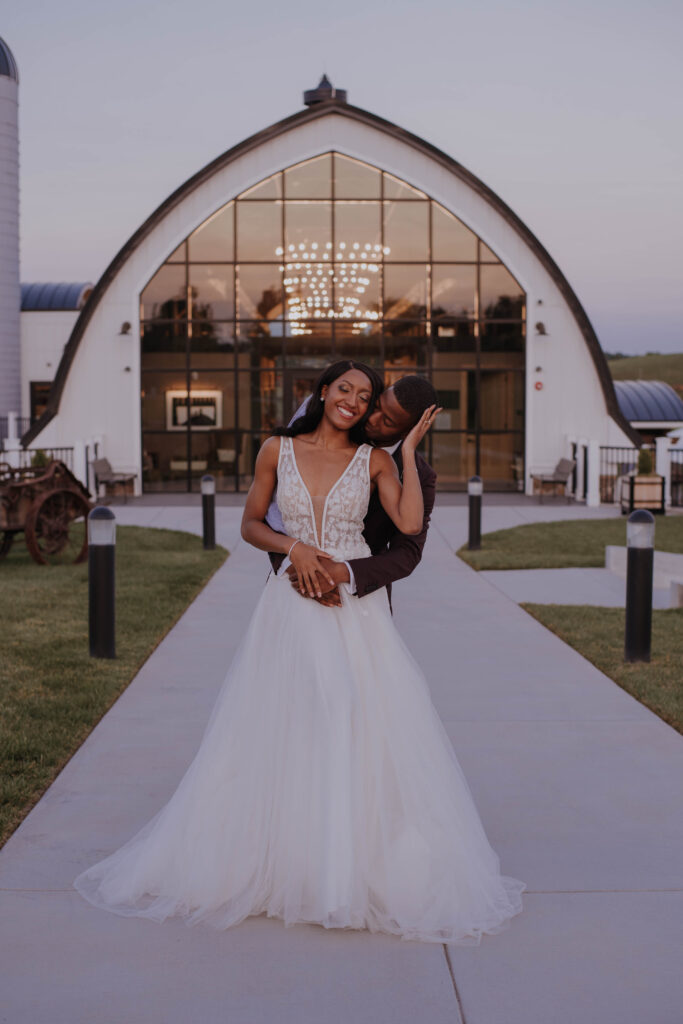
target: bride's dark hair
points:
(314, 410)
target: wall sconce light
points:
(540, 329)
(125, 328)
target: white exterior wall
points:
(101, 398)
(43, 337)
(10, 294)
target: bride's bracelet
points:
(292, 548)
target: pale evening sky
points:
(570, 111)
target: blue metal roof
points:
(643, 401)
(8, 65)
(62, 296)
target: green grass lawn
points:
(598, 634)
(667, 367)
(559, 545)
(52, 693)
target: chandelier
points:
(317, 288)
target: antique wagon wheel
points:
(6, 541)
(56, 527)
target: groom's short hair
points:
(415, 394)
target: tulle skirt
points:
(325, 790)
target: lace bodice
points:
(338, 527)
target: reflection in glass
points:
(394, 188)
(362, 343)
(453, 457)
(454, 290)
(310, 180)
(501, 296)
(155, 385)
(406, 345)
(502, 400)
(211, 336)
(357, 295)
(502, 460)
(270, 188)
(178, 255)
(298, 386)
(252, 330)
(259, 291)
(405, 290)
(502, 337)
(486, 255)
(214, 239)
(406, 231)
(308, 230)
(165, 296)
(212, 292)
(357, 232)
(258, 341)
(464, 381)
(451, 339)
(163, 336)
(261, 400)
(451, 240)
(309, 292)
(452, 392)
(259, 230)
(312, 348)
(355, 180)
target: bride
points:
(325, 789)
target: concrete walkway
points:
(568, 586)
(580, 789)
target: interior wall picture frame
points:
(205, 408)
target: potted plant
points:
(39, 459)
(643, 488)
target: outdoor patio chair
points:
(558, 478)
(104, 474)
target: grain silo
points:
(10, 353)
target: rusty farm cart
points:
(50, 506)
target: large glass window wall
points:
(327, 259)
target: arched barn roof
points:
(49, 297)
(320, 108)
(643, 401)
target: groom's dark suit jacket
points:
(394, 554)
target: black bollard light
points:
(209, 511)
(101, 597)
(640, 543)
(475, 489)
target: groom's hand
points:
(329, 591)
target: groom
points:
(394, 555)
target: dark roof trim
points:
(281, 127)
(52, 297)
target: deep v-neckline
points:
(327, 496)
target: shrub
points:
(644, 462)
(39, 459)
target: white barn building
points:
(331, 234)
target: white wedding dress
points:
(325, 788)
